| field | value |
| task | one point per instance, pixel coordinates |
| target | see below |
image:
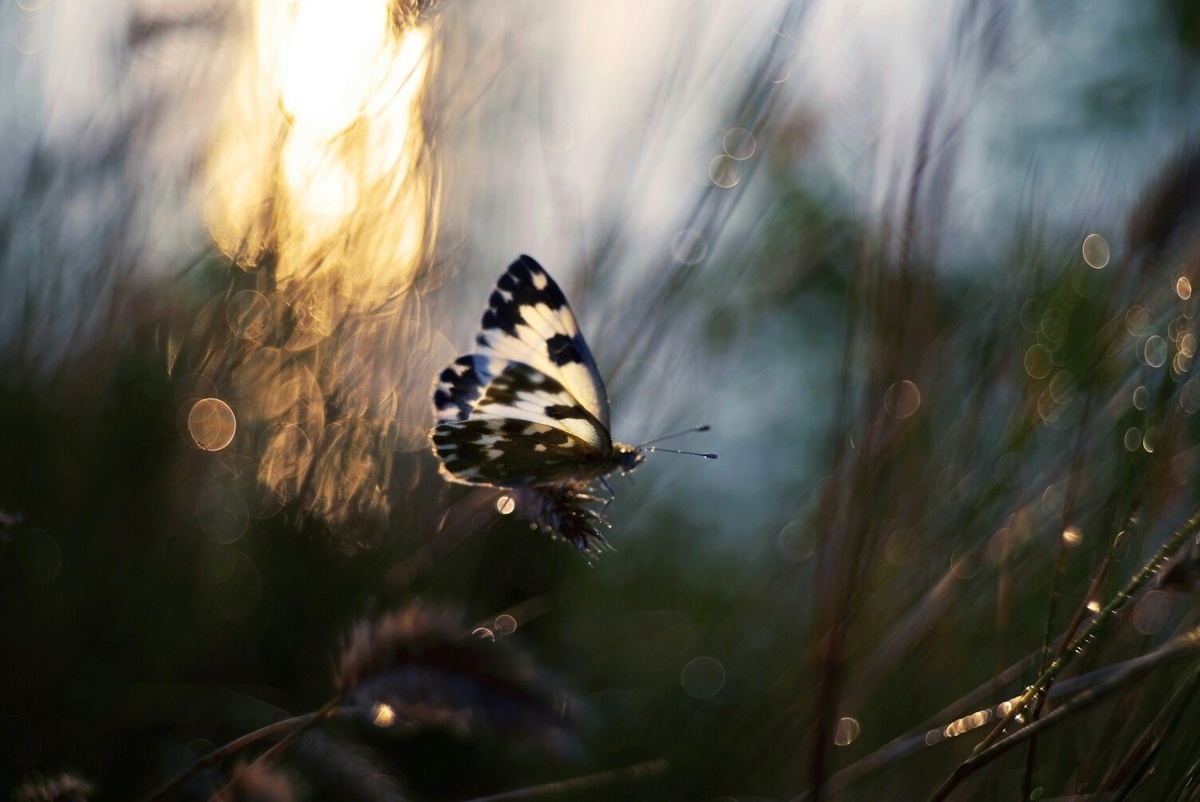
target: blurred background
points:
(926, 269)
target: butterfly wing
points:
(529, 320)
(523, 429)
(506, 452)
(529, 406)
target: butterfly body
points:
(528, 410)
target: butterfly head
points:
(628, 457)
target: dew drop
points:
(558, 137)
(902, 399)
(848, 730)
(211, 424)
(248, 314)
(1133, 439)
(1155, 351)
(1136, 320)
(702, 677)
(1038, 361)
(1152, 612)
(1096, 251)
(1141, 397)
(739, 144)
(724, 172)
(689, 247)
(796, 542)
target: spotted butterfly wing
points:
(528, 408)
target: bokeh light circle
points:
(211, 424)
(739, 144)
(702, 677)
(1096, 251)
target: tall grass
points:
(955, 556)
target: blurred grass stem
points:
(233, 747)
(986, 749)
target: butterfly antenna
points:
(703, 428)
(706, 455)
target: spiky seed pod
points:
(335, 769)
(562, 510)
(429, 672)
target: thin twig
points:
(230, 749)
(1134, 771)
(1183, 645)
(915, 739)
(275, 751)
(1096, 624)
(1060, 563)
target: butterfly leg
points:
(612, 494)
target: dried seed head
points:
(336, 769)
(406, 635)
(419, 668)
(258, 782)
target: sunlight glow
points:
(321, 189)
(326, 131)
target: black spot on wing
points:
(519, 379)
(502, 314)
(517, 288)
(519, 280)
(562, 350)
(458, 386)
(514, 427)
(564, 411)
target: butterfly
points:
(528, 412)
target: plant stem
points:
(1067, 655)
(230, 749)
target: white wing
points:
(529, 320)
(524, 430)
